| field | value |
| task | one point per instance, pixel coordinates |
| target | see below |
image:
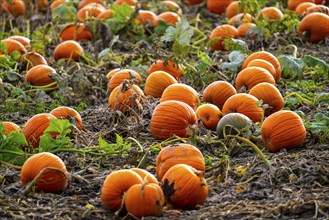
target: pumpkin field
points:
(149, 109)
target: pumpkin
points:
(84, 3)
(54, 176)
(105, 14)
(230, 123)
(147, 17)
(264, 55)
(64, 112)
(35, 127)
(157, 82)
(69, 49)
(272, 13)
(76, 32)
(218, 92)
(172, 118)
(115, 185)
(233, 9)
(317, 8)
(283, 130)
(222, 32)
(240, 18)
(55, 4)
(169, 17)
(181, 92)
(209, 114)
(251, 76)
(263, 64)
(179, 154)
(13, 45)
(184, 187)
(121, 75)
(218, 6)
(245, 104)
(144, 199)
(112, 72)
(91, 10)
(292, 4)
(300, 9)
(39, 75)
(172, 6)
(270, 96)
(125, 96)
(23, 40)
(193, 2)
(9, 127)
(246, 30)
(146, 176)
(42, 5)
(168, 66)
(15, 8)
(128, 2)
(33, 59)
(315, 26)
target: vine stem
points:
(136, 142)
(254, 146)
(300, 98)
(10, 165)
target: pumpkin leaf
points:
(322, 97)
(292, 68)
(121, 15)
(320, 66)
(235, 45)
(236, 59)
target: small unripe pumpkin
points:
(230, 122)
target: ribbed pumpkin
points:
(283, 130)
(13, 45)
(125, 96)
(240, 18)
(169, 17)
(105, 14)
(147, 17)
(91, 10)
(112, 72)
(222, 32)
(26, 42)
(84, 3)
(193, 2)
(168, 66)
(230, 122)
(251, 76)
(317, 8)
(218, 92)
(69, 49)
(233, 9)
(179, 154)
(209, 114)
(15, 8)
(181, 92)
(315, 26)
(35, 127)
(272, 13)
(270, 95)
(125, 74)
(146, 199)
(172, 6)
(55, 4)
(54, 177)
(263, 64)
(9, 127)
(157, 82)
(246, 30)
(300, 9)
(184, 187)
(39, 75)
(115, 186)
(172, 118)
(245, 104)
(146, 176)
(65, 112)
(292, 4)
(33, 59)
(218, 6)
(264, 55)
(76, 32)
(128, 2)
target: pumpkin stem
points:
(307, 34)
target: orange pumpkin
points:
(35, 127)
(181, 92)
(270, 96)
(105, 14)
(169, 17)
(263, 64)
(147, 17)
(283, 130)
(39, 75)
(230, 123)
(315, 26)
(168, 66)
(33, 59)
(76, 32)
(157, 82)
(233, 9)
(9, 127)
(218, 92)
(64, 112)
(264, 55)
(112, 72)
(121, 75)
(317, 8)
(13, 45)
(84, 3)
(15, 8)
(222, 32)
(246, 30)
(144, 199)
(292, 4)
(193, 2)
(128, 2)
(172, 118)
(240, 18)
(184, 187)
(209, 114)
(69, 49)
(179, 154)
(146, 176)
(218, 6)
(91, 10)
(125, 96)
(173, 6)
(300, 9)
(245, 104)
(272, 13)
(55, 4)
(54, 176)
(251, 76)
(23, 40)
(114, 187)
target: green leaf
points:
(13, 76)
(321, 67)
(236, 59)
(292, 68)
(235, 44)
(62, 126)
(3, 47)
(65, 12)
(322, 97)
(15, 55)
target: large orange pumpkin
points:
(292, 4)
(15, 8)
(157, 82)
(147, 17)
(146, 176)
(179, 154)
(169, 17)
(222, 32)
(9, 127)
(184, 187)
(13, 45)
(218, 92)
(26, 42)
(283, 130)
(65, 112)
(233, 9)
(91, 10)
(315, 26)
(218, 6)
(263, 64)
(168, 66)
(39, 75)
(272, 13)
(301, 8)
(54, 177)
(121, 75)
(33, 59)
(69, 49)
(172, 118)
(76, 32)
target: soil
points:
(241, 186)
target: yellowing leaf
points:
(241, 169)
